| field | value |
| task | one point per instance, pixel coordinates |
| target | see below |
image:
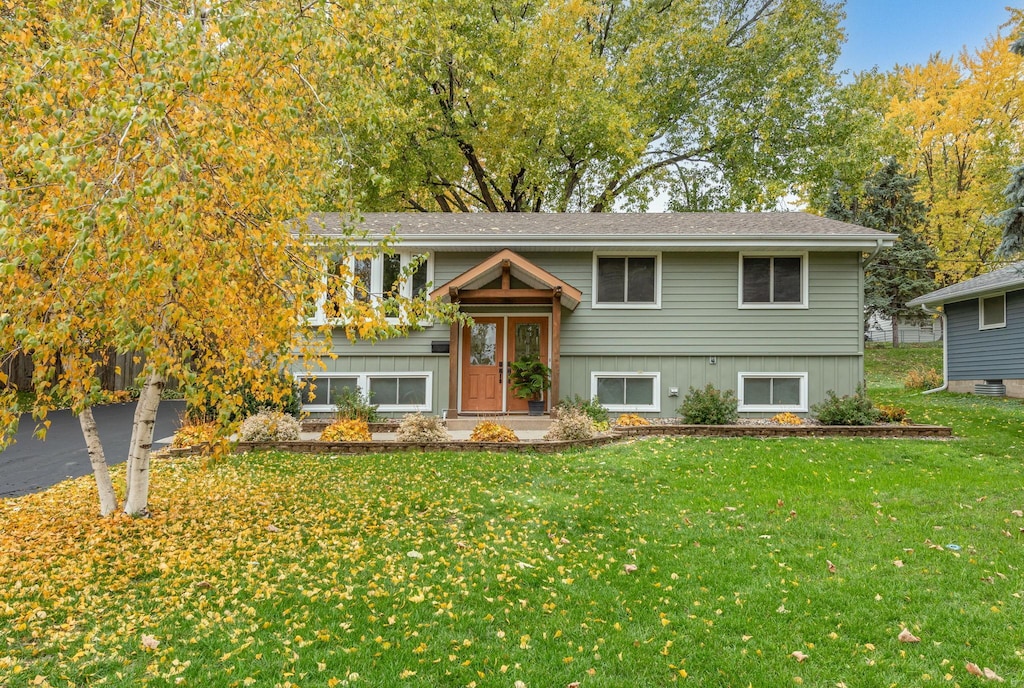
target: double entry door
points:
(489, 347)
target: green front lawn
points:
(699, 561)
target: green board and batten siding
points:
(699, 318)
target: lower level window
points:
(389, 391)
(773, 392)
(398, 391)
(627, 391)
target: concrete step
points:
(516, 422)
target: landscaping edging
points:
(384, 447)
(879, 431)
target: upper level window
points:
(627, 281)
(992, 312)
(773, 281)
(384, 276)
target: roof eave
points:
(929, 300)
(659, 241)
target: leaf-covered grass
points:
(886, 366)
(450, 569)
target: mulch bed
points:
(762, 430)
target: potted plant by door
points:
(530, 378)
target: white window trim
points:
(628, 408)
(981, 312)
(376, 286)
(804, 262)
(363, 382)
(656, 305)
(802, 407)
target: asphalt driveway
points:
(30, 465)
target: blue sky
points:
(886, 32)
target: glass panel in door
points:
(482, 376)
(527, 337)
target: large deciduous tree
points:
(153, 157)
(905, 270)
(593, 105)
(964, 117)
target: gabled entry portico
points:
(529, 323)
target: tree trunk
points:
(896, 332)
(137, 478)
(108, 499)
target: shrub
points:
(602, 426)
(416, 427)
(489, 431)
(891, 414)
(571, 425)
(708, 406)
(787, 418)
(855, 409)
(630, 420)
(347, 430)
(269, 426)
(921, 378)
(593, 408)
(352, 404)
(284, 397)
(192, 434)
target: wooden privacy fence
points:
(117, 372)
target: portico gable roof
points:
(518, 267)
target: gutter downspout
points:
(945, 349)
(874, 254)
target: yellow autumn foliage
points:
(347, 430)
(629, 420)
(489, 431)
(195, 433)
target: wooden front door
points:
(483, 359)
(488, 349)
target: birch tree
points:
(153, 159)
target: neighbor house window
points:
(379, 278)
(627, 391)
(627, 281)
(773, 281)
(773, 392)
(992, 312)
(389, 391)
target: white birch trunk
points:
(137, 478)
(129, 464)
(105, 487)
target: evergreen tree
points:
(907, 269)
(1011, 220)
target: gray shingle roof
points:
(998, 280)
(595, 224)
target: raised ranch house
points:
(984, 331)
(631, 308)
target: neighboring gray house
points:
(632, 308)
(984, 342)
